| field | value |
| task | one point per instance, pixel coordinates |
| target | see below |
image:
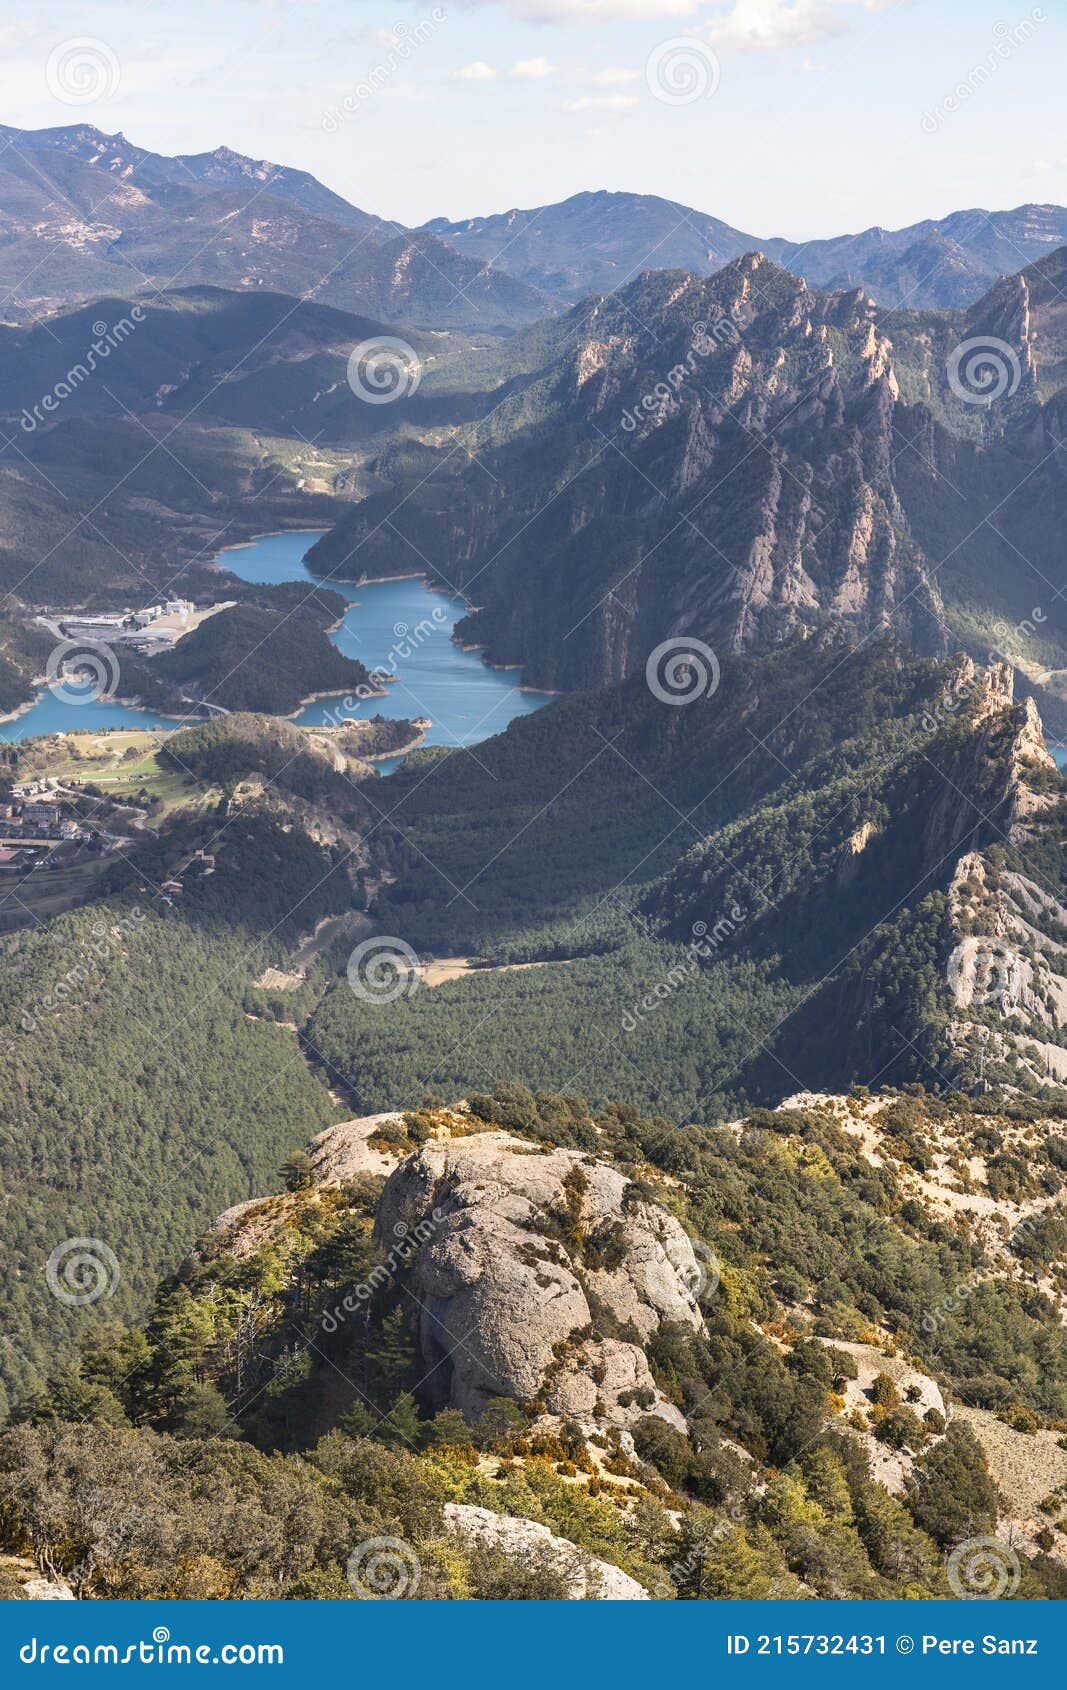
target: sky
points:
(799, 118)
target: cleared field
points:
(124, 764)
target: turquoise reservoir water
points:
(399, 627)
(402, 628)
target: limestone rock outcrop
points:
(541, 1275)
(586, 1577)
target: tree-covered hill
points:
(139, 1097)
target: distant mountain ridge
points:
(597, 242)
(84, 214)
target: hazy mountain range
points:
(83, 213)
(594, 242)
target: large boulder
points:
(540, 1275)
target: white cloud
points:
(616, 76)
(478, 71)
(601, 102)
(764, 26)
(532, 70)
(753, 25)
(603, 11)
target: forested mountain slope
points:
(138, 1095)
(839, 866)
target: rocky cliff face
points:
(738, 459)
(543, 1277)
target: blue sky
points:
(812, 117)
